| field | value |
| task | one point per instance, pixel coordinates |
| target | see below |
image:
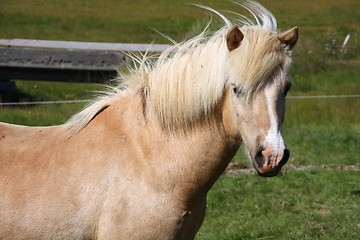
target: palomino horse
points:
(138, 162)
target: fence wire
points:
(89, 100)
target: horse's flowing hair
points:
(187, 80)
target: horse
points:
(138, 162)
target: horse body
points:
(138, 163)
(124, 185)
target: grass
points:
(309, 204)
(47, 91)
(295, 205)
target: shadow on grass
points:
(9, 93)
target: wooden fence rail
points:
(62, 60)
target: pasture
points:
(317, 196)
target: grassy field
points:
(311, 201)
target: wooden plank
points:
(60, 59)
(64, 60)
(58, 64)
(125, 47)
(57, 75)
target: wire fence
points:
(324, 96)
(89, 100)
(44, 102)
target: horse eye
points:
(237, 90)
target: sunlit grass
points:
(43, 115)
(48, 114)
(316, 204)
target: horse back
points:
(22, 142)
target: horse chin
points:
(267, 171)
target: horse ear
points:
(234, 38)
(290, 37)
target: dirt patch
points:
(234, 168)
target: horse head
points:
(255, 94)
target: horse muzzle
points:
(268, 165)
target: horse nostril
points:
(285, 158)
(259, 158)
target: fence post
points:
(8, 91)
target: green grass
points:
(47, 91)
(308, 204)
(323, 145)
(295, 205)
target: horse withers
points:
(138, 162)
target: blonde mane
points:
(187, 80)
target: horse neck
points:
(193, 160)
(204, 156)
(184, 163)
(187, 161)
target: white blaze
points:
(274, 139)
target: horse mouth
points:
(265, 169)
(268, 173)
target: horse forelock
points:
(187, 80)
(260, 56)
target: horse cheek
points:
(229, 117)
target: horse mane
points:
(185, 82)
